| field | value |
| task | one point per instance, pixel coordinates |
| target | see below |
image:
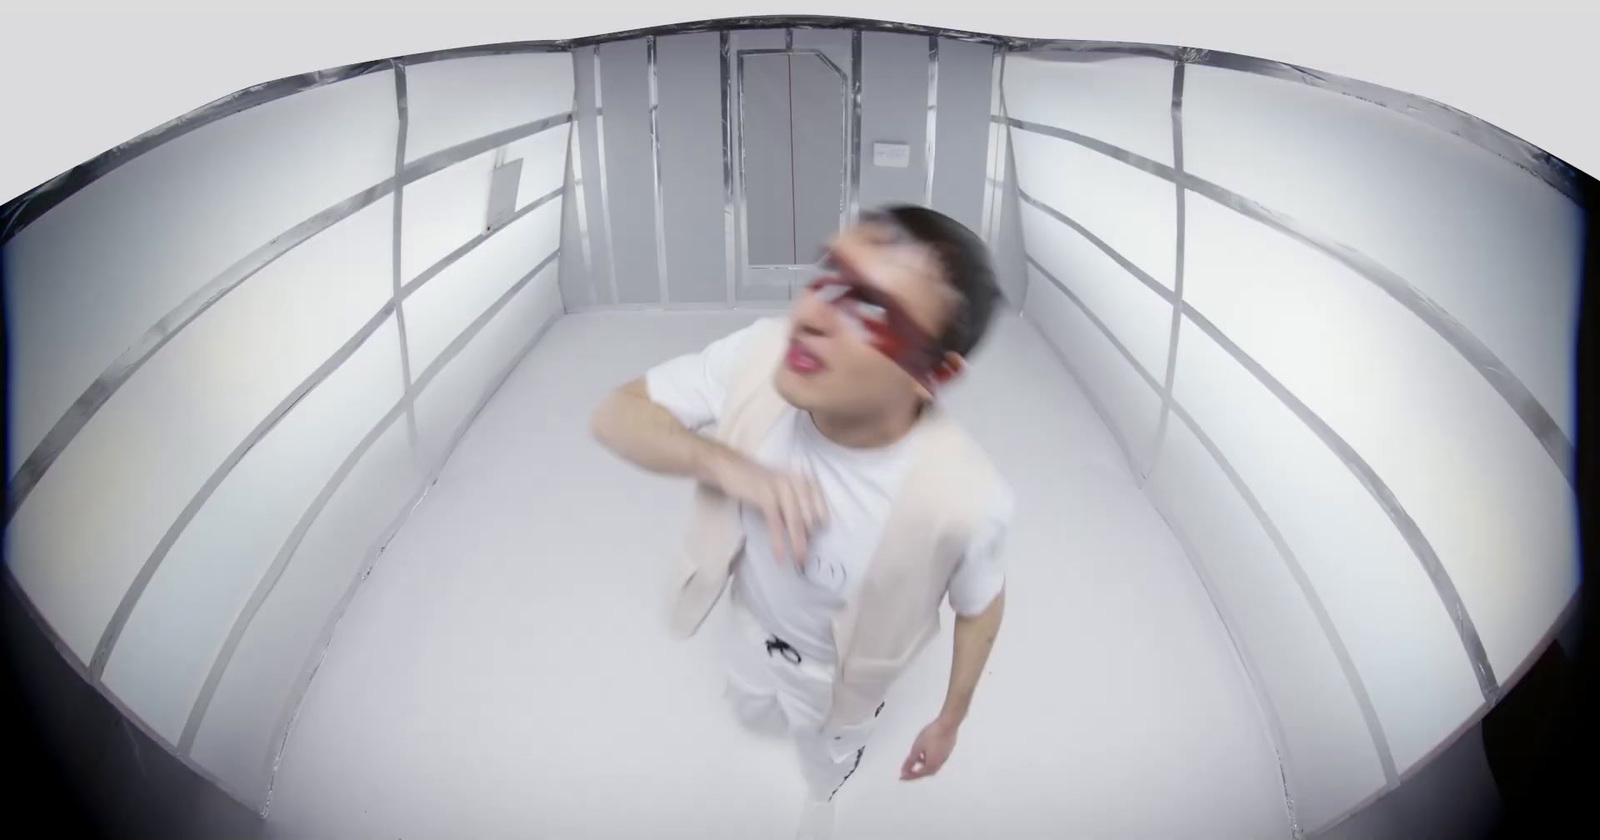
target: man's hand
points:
(930, 751)
(792, 505)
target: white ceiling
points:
(89, 74)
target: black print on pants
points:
(784, 649)
(855, 766)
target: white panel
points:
(1133, 405)
(1482, 489)
(451, 102)
(1331, 761)
(179, 625)
(1132, 211)
(141, 459)
(1496, 247)
(1126, 102)
(456, 391)
(441, 212)
(234, 740)
(1381, 602)
(1136, 315)
(445, 305)
(544, 163)
(85, 280)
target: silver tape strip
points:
(1122, 349)
(1347, 666)
(655, 169)
(933, 106)
(855, 124)
(71, 659)
(1402, 521)
(1269, 711)
(1555, 172)
(1177, 272)
(130, 598)
(995, 132)
(1127, 265)
(1092, 397)
(728, 224)
(464, 248)
(270, 578)
(1471, 643)
(119, 371)
(741, 198)
(403, 108)
(296, 699)
(1488, 365)
(605, 191)
(1558, 174)
(575, 152)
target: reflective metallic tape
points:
(1092, 398)
(1347, 666)
(84, 408)
(1127, 265)
(741, 191)
(728, 223)
(1247, 663)
(130, 599)
(575, 152)
(461, 250)
(1155, 385)
(995, 132)
(655, 168)
(270, 578)
(1488, 365)
(1558, 174)
(1402, 521)
(77, 415)
(1177, 272)
(933, 107)
(19, 212)
(292, 704)
(440, 160)
(855, 124)
(605, 192)
(402, 106)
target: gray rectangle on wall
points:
(894, 109)
(962, 131)
(594, 208)
(689, 87)
(629, 177)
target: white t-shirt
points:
(858, 485)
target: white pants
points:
(773, 694)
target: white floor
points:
(505, 672)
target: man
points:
(844, 504)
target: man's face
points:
(833, 365)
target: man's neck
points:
(873, 432)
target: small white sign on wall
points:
(893, 155)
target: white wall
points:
(1365, 505)
(200, 531)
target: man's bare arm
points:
(974, 639)
(649, 437)
(631, 425)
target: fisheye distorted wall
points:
(1334, 341)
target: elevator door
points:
(792, 139)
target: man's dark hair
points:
(964, 260)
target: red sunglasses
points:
(882, 321)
